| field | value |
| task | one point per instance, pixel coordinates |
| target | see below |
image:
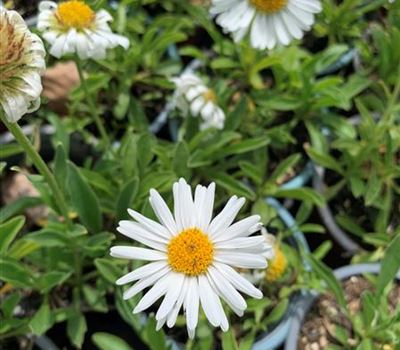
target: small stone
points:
(323, 342)
(314, 346)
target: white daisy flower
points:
(269, 22)
(73, 27)
(192, 257)
(21, 64)
(192, 96)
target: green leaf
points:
(243, 146)
(126, 197)
(326, 274)
(9, 230)
(48, 238)
(60, 167)
(43, 319)
(10, 149)
(390, 266)
(303, 194)
(284, 167)
(154, 339)
(324, 160)
(234, 118)
(107, 269)
(106, 341)
(229, 340)
(277, 313)
(51, 279)
(84, 200)
(15, 273)
(76, 329)
(18, 207)
(232, 185)
(180, 161)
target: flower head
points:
(73, 27)
(193, 97)
(269, 22)
(277, 262)
(192, 256)
(21, 64)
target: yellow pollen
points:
(75, 14)
(209, 95)
(191, 252)
(269, 6)
(277, 266)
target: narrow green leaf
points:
(326, 274)
(43, 319)
(76, 329)
(126, 197)
(390, 266)
(107, 269)
(18, 207)
(303, 194)
(84, 199)
(325, 160)
(229, 340)
(15, 273)
(107, 341)
(232, 185)
(9, 230)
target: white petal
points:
(238, 281)
(150, 224)
(226, 216)
(241, 260)
(240, 243)
(227, 291)
(141, 272)
(241, 228)
(192, 304)
(155, 292)
(162, 211)
(136, 253)
(145, 282)
(174, 290)
(140, 235)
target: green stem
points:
(92, 106)
(40, 166)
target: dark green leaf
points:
(9, 230)
(106, 341)
(84, 200)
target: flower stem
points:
(92, 105)
(40, 166)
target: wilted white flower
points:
(192, 257)
(21, 64)
(269, 22)
(73, 27)
(194, 97)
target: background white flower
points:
(193, 256)
(73, 27)
(21, 64)
(194, 97)
(269, 22)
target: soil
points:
(320, 323)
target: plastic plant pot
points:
(341, 274)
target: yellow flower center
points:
(209, 95)
(191, 252)
(75, 14)
(269, 6)
(277, 266)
